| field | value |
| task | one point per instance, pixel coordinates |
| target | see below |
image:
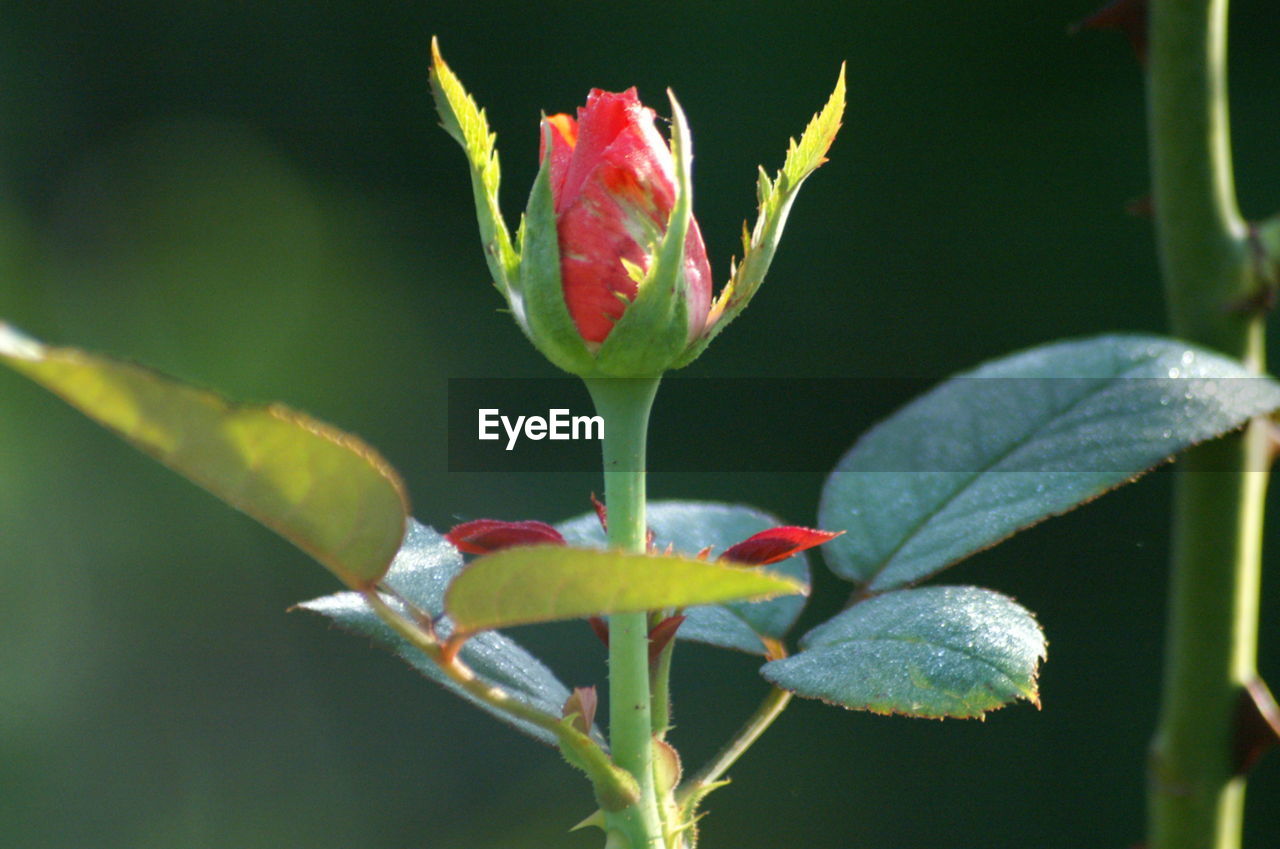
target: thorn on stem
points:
(1257, 725)
(602, 512)
(581, 706)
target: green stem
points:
(1195, 800)
(661, 695)
(624, 405)
(769, 710)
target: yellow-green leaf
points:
(522, 586)
(323, 490)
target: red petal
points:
(563, 131)
(697, 275)
(483, 536)
(606, 115)
(776, 544)
(613, 202)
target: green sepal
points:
(615, 788)
(775, 198)
(466, 123)
(539, 303)
(654, 330)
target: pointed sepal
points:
(466, 123)
(775, 197)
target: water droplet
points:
(1174, 372)
(1188, 357)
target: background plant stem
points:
(625, 406)
(1194, 799)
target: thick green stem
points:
(624, 405)
(1195, 799)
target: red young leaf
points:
(662, 634)
(601, 629)
(776, 544)
(484, 536)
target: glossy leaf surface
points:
(1021, 439)
(932, 652)
(421, 573)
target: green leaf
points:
(421, 572)
(522, 586)
(1019, 440)
(775, 198)
(932, 652)
(691, 526)
(466, 123)
(323, 490)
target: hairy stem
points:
(1195, 799)
(624, 405)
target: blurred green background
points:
(257, 197)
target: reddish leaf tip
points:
(600, 628)
(776, 544)
(661, 635)
(485, 536)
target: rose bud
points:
(608, 274)
(613, 181)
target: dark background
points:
(257, 197)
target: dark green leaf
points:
(691, 526)
(1020, 439)
(932, 652)
(421, 573)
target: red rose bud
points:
(776, 544)
(608, 275)
(484, 536)
(614, 184)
